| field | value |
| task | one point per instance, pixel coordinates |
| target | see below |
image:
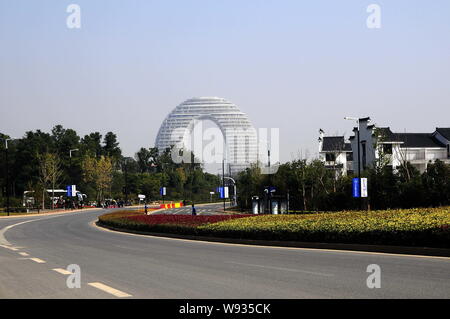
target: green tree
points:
(111, 146)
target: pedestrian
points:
(194, 211)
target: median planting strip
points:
(410, 228)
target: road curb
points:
(67, 211)
(401, 250)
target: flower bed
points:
(186, 224)
(186, 220)
(428, 227)
(409, 227)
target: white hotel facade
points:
(241, 145)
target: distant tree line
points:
(39, 161)
(312, 186)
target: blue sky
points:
(295, 65)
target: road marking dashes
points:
(23, 254)
(10, 247)
(37, 260)
(62, 271)
(109, 290)
(283, 269)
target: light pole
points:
(70, 162)
(234, 186)
(72, 150)
(223, 182)
(359, 160)
(7, 175)
(126, 179)
(70, 170)
(270, 182)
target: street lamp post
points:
(72, 150)
(126, 180)
(223, 182)
(235, 191)
(7, 175)
(269, 193)
(70, 171)
(359, 160)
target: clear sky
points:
(296, 65)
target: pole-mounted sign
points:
(356, 187)
(71, 190)
(223, 192)
(364, 191)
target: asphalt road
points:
(118, 265)
(202, 209)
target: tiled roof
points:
(444, 131)
(409, 139)
(335, 143)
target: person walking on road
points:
(194, 211)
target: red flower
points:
(187, 220)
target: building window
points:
(387, 148)
(330, 157)
(350, 156)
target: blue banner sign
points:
(356, 187)
(223, 192)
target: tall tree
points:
(91, 144)
(98, 171)
(50, 172)
(143, 157)
(111, 146)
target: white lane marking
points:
(62, 271)
(36, 260)
(23, 254)
(10, 247)
(4, 242)
(284, 269)
(109, 290)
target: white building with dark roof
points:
(336, 153)
(381, 144)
